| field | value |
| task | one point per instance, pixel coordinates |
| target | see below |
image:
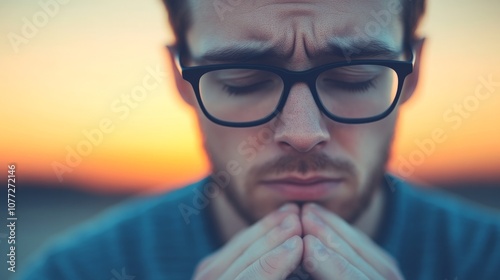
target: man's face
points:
(301, 155)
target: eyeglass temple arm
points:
(411, 47)
(174, 50)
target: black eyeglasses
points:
(244, 95)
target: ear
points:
(183, 87)
(411, 80)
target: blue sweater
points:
(430, 235)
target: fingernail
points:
(287, 222)
(313, 217)
(285, 207)
(321, 251)
(314, 206)
(291, 243)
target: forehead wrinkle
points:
(299, 6)
(296, 37)
(289, 10)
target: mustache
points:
(303, 164)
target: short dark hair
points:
(180, 19)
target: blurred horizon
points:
(66, 99)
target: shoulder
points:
(134, 237)
(438, 234)
(438, 206)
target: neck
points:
(369, 221)
(227, 220)
(229, 223)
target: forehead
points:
(293, 29)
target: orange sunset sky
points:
(70, 74)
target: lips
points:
(302, 189)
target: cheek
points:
(366, 145)
(374, 143)
(228, 148)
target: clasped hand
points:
(314, 239)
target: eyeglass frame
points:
(193, 74)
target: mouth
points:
(303, 188)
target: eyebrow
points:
(362, 49)
(336, 48)
(237, 53)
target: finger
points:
(277, 263)
(316, 227)
(361, 244)
(202, 265)
(352, 235)
(218, 262)
(323, 263)
(289, 227)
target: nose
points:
(301, 126)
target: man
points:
(297, 102)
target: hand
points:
(269, 249)
(333, 249)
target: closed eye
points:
(350, 86)
(248, 89)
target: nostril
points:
(302, 133)
(301, 126)
(302, 141)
